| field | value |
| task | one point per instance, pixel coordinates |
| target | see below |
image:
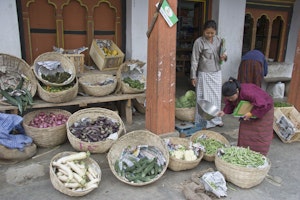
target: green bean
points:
(211, 145)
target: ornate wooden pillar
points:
(161, 71)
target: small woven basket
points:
(9, 63)
(135, 138)
(65, 62)
(88, 83)
(124, 87)
(179, 164)
(210, 134)
(93, 113)
(16, 154)
(185, 114)
(59, 97)
(46, 137)
(244, 177)
(58, 185)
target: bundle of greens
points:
(188, 100)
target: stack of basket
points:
(56, 92)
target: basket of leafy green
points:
(186, 106)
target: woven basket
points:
(93, 113)
(124, 87)
(58, 185)
(179, 164)
(294, 116)
(210, 134)
(16, 154)
(135, 138)
(185, 114)
(244, 177)
(86, 82)
(59, 97)
(65, 62)
(46, 137)
(14, 64)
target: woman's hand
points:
(223, 57)
(247, 116)
(193, 82)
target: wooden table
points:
(83, 101)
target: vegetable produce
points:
(134, 83)
(75, 173)
(44, 120)
(58, 77)
(181, 152)
(188, 100)
(282, 104)
(140, 164)
(89, 130)
(51, 88)
(242, 157)
(210, 145)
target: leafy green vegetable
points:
(188, 100)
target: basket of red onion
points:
(47, 127)
(94, 129)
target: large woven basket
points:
(244, 177)
(59, 97)
(210, 134)
(46, 137)
(58, 185)
(9, 63)
(185, 114)
(124, 87)
(93, 113)
(17, 155)
(87, 83)
(135, 138)
(179, 164)
(65, 62)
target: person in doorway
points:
(253, 68)
(255, 133)
(206, 74)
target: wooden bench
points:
(83, 101)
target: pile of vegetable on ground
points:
(140, 163)
(210, 145)
(75, 173)
(188, 100)
(100, 129)
(243, 157)
(44, 120)
(11, 88)
(182, 152)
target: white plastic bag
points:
(276, 90)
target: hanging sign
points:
(168, 14)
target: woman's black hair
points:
(230, 87)
(210, 24)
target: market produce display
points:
(188, 100)
(210, 145)
(74, 173)
(89, 130)
(106, 47)
(140, 163)
(46, 120)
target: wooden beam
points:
(161, 71)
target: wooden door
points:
(68, 24)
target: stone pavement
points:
(29, 180)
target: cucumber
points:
(149, 167)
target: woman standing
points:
(206, 74)
(253, 68)
(255, 133)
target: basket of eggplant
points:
(94, 129)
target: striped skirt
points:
(250, 71)
(257, 134)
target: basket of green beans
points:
(242, 166)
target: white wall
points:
(136, 28)
(9, 34)
(293, 34)
(230, 16)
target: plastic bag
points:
(215, 182)
(276, 90)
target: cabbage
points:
(190, 95)
(188, 100)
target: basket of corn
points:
(98, 84)
(185, 106)
(183, 155)
(138, 158)
(94, 129)
(58, 94)
(131, 78)
(47, 127)
(18, 84)
(242, 166)
(74, 173)
(52, 68)
(211, 141)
